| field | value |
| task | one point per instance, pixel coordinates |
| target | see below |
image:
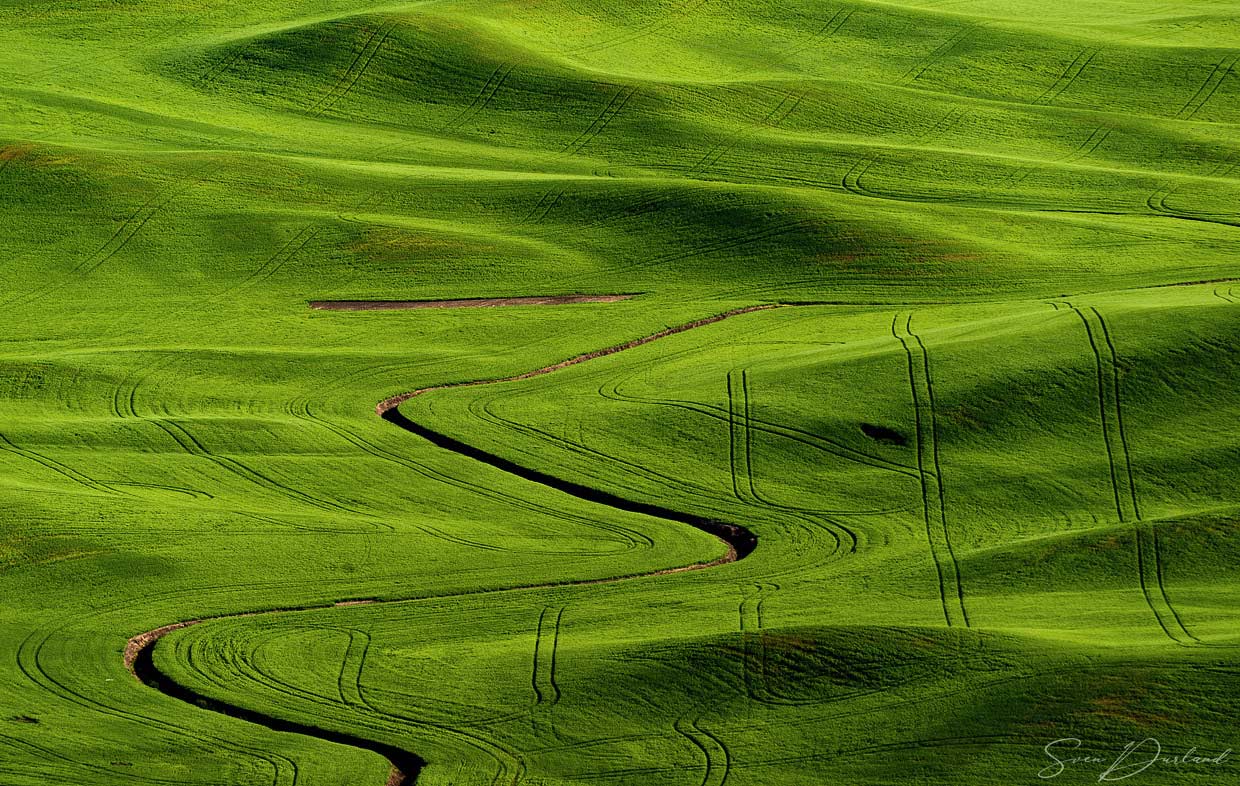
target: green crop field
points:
(913, 456)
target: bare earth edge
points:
(139, 650)
(481, 302)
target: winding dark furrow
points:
(139, 650)
(405, 765)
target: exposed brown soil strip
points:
(143, 641)
(481, 302)
(740, 542)
(389, 404)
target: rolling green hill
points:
(937, 301)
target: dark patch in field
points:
(883, 434)
(23, 719)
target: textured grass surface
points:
(992, 468)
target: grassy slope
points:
(181, 437)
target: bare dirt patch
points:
(486, 302)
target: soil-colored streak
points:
(481, 302)
(390, 404)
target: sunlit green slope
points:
(987, 446)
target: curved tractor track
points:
(139, 650)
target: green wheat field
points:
(912, 456)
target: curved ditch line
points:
(139, 650)
(405, 765)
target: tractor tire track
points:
(753, 645)
(1087, 148)
(350, 682)
(285, 254)
(129, 228)
(851, 183)
(63, 470)
(1069, 76)
(30, 661)
(1123, 482)
(1203, 95)
(546, 203)
(543, 679)
(1123, 494)
(809, 439)
(124, 406)
(642, 31)
(614, 107)
(180, 434)
(303, 412)
(934, 507)
(1119, 412)
(490, 88)
(717, 759)
(788, 104)
(356, 68)
(389, 405)
(1157, 204)
(484, 411)
(939, 53)
(832, 26)
(218, 68)
(724, 245)
(740, 449)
